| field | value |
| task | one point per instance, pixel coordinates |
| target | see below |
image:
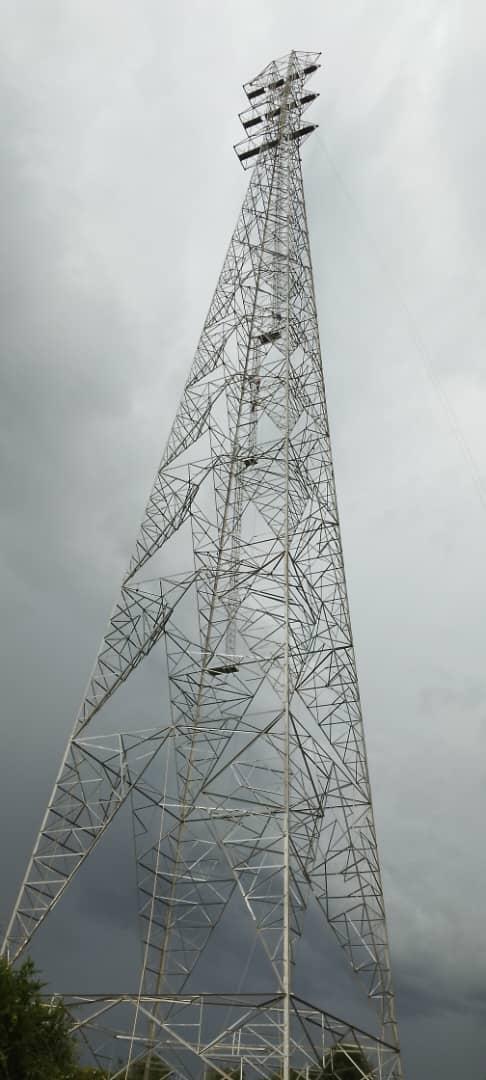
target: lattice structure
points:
(251, 792)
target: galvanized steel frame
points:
(263, 741)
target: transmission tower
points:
(249, 793)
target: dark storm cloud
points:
(118, 192)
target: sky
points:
(119, 192)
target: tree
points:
(342, 1063)
(87, 1072)
(34, 1037)
(35, 1040)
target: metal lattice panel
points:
(255, 783)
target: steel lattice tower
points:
(249, 793)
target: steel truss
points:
(253, 787)
(220, 1031)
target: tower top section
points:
(278, 97)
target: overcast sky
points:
(119, 191)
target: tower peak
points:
(278, 98)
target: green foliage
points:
(341, 1064)
(35, 1041)
(340, 1067)
(34, 1037)
(86, 1072)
